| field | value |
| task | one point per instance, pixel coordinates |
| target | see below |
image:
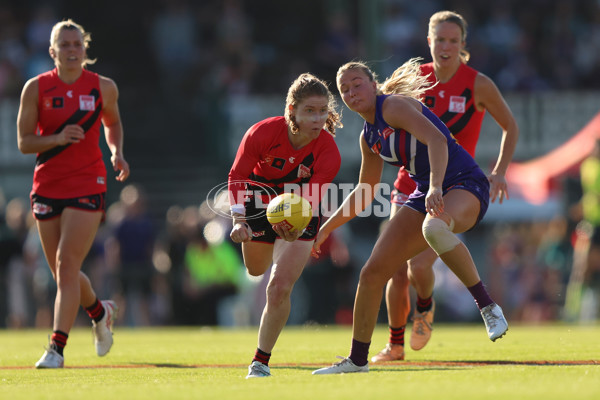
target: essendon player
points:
(298, 149)
(460, 97)
(67, 105)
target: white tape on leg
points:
(439, 235)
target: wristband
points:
(238, 209)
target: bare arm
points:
(487, 96)
(113, 129)
(28, 140)
(370, 175)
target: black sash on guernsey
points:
(459, 125)
(73, 119)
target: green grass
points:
(193, 363)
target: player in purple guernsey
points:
(451, 197)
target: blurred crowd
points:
(184, 271)
(183, 60)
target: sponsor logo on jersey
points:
(41, 208)
(387, 132)
(457, 104)
(70, 94)
(291, 159)
(87, 102)
(52, 102)
(376, 148)
(303, 171)
(278, 163)
(100, 180)
(430, 101)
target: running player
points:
(459, 96)
(452, 196)
(297, 149)
(68, 104)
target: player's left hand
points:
(434, 201)
(498, 187)
(119, 164)
(286, 234)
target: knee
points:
(370, 275)
(278, 291)
(439, 235)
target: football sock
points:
(261, 356)
(95, 311)
(359, 352)
(397, 335)
(481, 296)
(424, 304)
(59, 341)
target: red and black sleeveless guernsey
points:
(266, 158)
(75, 169)
(453, 102)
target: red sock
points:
(95, 311)
(261, 356)
(397, 335)
(59, 341)
(424, 304)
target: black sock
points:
(59, 341)
(262, 357)
(397, 335)
(424, 304)
(359, 353)
(96, 311)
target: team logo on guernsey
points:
(87, 102)
(52, 102)
(457, 104)
(376, 148)
(303, 171)
(387, 132)
(278, 163)
(430, 101)
(41, 208)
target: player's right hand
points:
(241, 232)
(321, 237)
(70, 134)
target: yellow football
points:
(290, 210)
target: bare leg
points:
(66, 242)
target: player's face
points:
(357, 90)
(68, 51)
(445, 44)
(311, 114)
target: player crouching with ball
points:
(298, 149)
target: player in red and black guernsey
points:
(460, 97)
(297, 149)
(60, 115)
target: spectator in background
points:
(584, 285)
(212, 273)
(68, 105)
(132, 241)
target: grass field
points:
(541, 362)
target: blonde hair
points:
(69, 24)
(406, 79)
(307, 85)
(455, 18)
